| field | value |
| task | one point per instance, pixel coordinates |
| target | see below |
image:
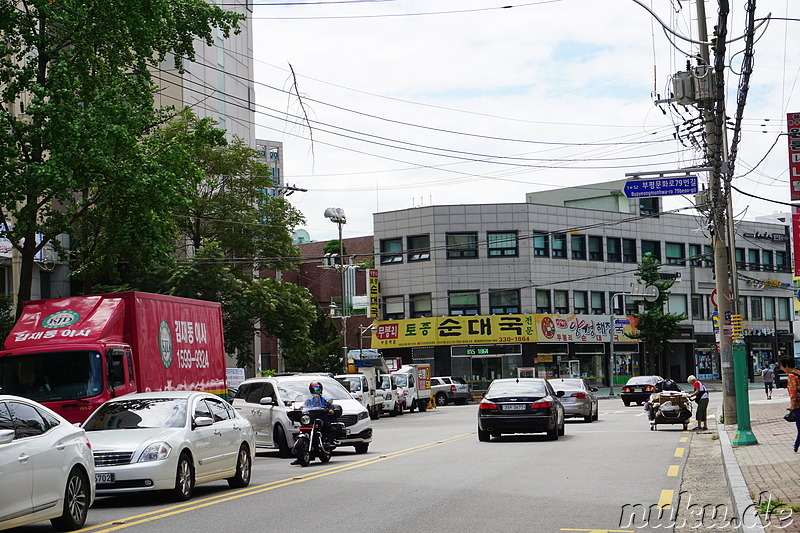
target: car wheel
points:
(563, 428)
(361, 447)
(441, 399)
(281, 443)
(184, 479)
(596, 413)
(552, 434)
(589, 418)
(244, 467)
(76, 503)
(303, 453)
(483, 436)
(626, 402)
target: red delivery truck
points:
(72, 354)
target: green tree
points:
(76, 98)
(325, 355)
(6, 317)
(332, 247)
(655, 326)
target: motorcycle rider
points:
(317, 401)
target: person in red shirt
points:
(793, 386)
(700, 395)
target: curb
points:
(749, 521)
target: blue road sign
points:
(661, 187)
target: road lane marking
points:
(679, 452)
(601, 530)
(673, 471)
(665, 501)
(683, 439)
(135, 520)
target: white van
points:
(415, 380)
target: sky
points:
(394, 104)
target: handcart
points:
(669, 407)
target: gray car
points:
(448, 389)
(579, 398)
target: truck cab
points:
(415, 380)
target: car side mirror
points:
(594, 389)
(6, 436)
(203, 421)
(559, 393)
(267, 400)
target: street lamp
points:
(337, 216)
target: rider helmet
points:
(315, 387)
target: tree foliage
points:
(655, 326)
(325, 354)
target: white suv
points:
(265, 402)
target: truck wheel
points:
(374, 413)
(361, 447)
(441, 399)
(243, 468)
(281, 443)
(398, 407)
(393, 412)
(422, 406)
(413, 406)
(184, 479)
(76, 503)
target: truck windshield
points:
(401, 380)
(52, 376)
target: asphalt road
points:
(428, 472)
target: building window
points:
(419, 248)
(767, 262)
(614, 249)
(462, 245)
(708, 256)
(391, 251)
(648, 206)
(615, 303)
(781, 262)
(420, 305)
(628, 251)
(676, 253)
(540, 245)
(697, 307)
(504, 302)
(578, 246)
(631, 306)
(502, 243)
(560, 246)
(783, 308)
(742, 307)
(740, 262)
(595, 248)
(598, 303)
(580, 301)
(543, 302)
(755, 308)
(393, 308)
(754, 259)
(695, 255)
(677, 304)
(769, 308)
(561, 302)
(653, 248)
(464, 303)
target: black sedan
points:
(520, 405)
(639, 388)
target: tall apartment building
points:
(499, 290)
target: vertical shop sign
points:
(796, 239)
(374, 294)
(793, 125)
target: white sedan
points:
(46, 467)
(169, 441)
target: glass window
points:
(708, 256)
(391, 251)
(754, 259)
(767, 262)
(697, 307)
(631, 306)
(614, 249)
(560, 246)
(653, 248)
(742, 307)
(595, 248)
(201, 409)
(464, 303)
(543, 301)
(676, 253)
(781, 261)
(783, 308)
(755, 308)
(541, 246)
(648, 206)
(677, 303)
(419, 247)
(628, 251)
(615, 303)
(580, 299)
(393, 308)
(27, 420)
(769, 308)
(561, 302)
(740, 262)
(420, 305)
(598, 303)
(502, 243)
(504, 302)
(695, 255)
(5, 417)
(462, 245)
(578, 246)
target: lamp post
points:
(337, 216)
(361, 331)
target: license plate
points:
(104, 478)
(514, 407)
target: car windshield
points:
(139, 413)
(48, 377)
(566, 384)
(514, 388)
(291, 390)
(641, 380)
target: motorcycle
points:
(311, 439)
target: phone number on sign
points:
(514, 339)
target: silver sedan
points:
(579, 398)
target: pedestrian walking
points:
(769, 376)
(793, 386)
(700, 395)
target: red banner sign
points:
(796, 239)
(793, 126)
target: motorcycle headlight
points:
(155, 452)
(362, 415)
(305, 420)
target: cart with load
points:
(669, 407)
